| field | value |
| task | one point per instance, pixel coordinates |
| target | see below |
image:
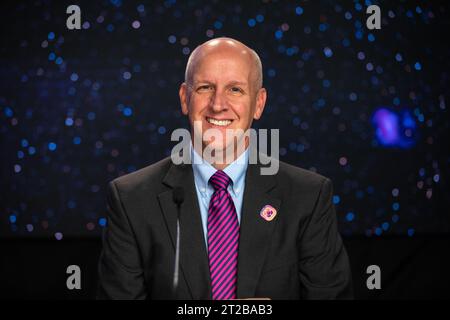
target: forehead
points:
(227, 66)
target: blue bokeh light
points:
(390, 128)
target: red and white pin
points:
(268, 213)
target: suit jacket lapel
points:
(255, 232)
(193, 256)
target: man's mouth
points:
(220, 123)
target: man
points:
(242, 234)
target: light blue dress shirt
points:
(203, 171)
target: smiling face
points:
(222, 92)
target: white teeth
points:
(218, 122)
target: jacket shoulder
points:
(298, 176)
(143, 177)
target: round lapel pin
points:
(268, 212)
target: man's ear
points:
(261, 98)
(183, 93)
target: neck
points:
(220, 166)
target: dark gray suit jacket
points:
(299, 254)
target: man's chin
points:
(215, 147)
(218, 151)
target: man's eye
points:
(204, 88)
(236, 90)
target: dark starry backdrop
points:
(369, 109)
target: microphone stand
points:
(178, 198)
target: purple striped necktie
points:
(223, 239)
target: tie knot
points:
(220, 180)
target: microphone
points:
(178, 198)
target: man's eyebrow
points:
(241, 83)
(202, 81)
(233, 82)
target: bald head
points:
(225, 45)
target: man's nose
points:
(219, 102)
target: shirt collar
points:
(204, 170)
